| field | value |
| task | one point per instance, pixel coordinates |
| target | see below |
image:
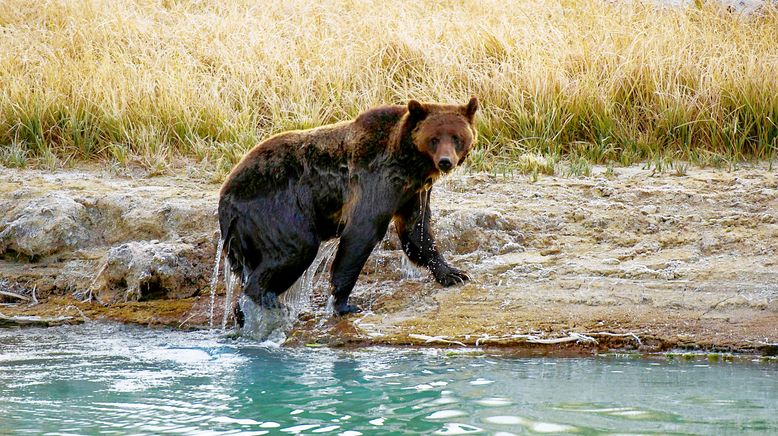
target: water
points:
(106, 378)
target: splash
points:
(409, 270)
(272, 324)
(262, 323)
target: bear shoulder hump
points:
(381, 116)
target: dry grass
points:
(145, 82)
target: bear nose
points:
(445, 164)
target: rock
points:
(550, 251)
(76, 276)
(147, 270)
(467, 231)
(46, 225)
(577, 215)
(708, 245)
(511, 247)
(603, 189)
(145, 214)
(649, 210)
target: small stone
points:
(649, 210)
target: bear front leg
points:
(356, 243)
(414, 229)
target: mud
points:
(633, 260)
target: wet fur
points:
(348, 180)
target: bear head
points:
(445, 133)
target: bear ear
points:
(471, 108)
(416, 110)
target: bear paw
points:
(451, 276)
(269, 300)
(345, 309)
(240, 317)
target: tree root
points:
(14, 295)
(581, 338)
(33, 321)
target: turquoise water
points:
(113, 379)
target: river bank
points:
(628, 258)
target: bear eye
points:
(434, 143)
(457, 142)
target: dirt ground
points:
(634, 260)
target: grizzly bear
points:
(346, 180)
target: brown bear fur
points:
(347, 180)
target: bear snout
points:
(445, 164)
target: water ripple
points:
(104, 378)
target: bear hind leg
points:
(277, 272)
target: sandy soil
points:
(636, 260)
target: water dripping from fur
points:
(215, 278)
(409, 270)
(272, 324)
(231, 282)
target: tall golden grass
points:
(149, 81)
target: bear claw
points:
(240, 317)
(452, 277)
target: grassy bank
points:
(146, 82)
